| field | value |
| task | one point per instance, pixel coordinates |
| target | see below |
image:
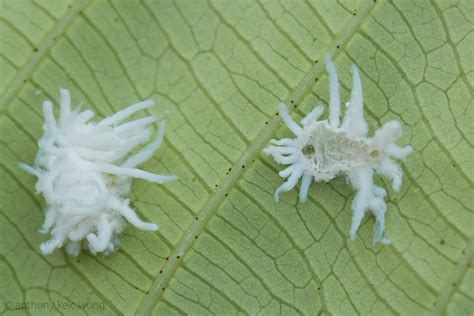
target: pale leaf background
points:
(221, 67)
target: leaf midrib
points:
(454, 280)
(45, 46)
(238, 169)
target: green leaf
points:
(221, 67)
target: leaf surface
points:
(221, 68)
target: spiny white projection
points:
(325, 149)
(85, 176)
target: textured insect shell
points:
(346, 152)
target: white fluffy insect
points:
(325, 149)
(85, 175)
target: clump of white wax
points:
(84, 172)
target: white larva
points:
(84, 172)
(325, 149)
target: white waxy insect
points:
(84, 172)
(325, 149)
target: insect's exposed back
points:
(84, 172)
(325, 149)
(327, 152)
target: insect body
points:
(84, 173)
(325, 149)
